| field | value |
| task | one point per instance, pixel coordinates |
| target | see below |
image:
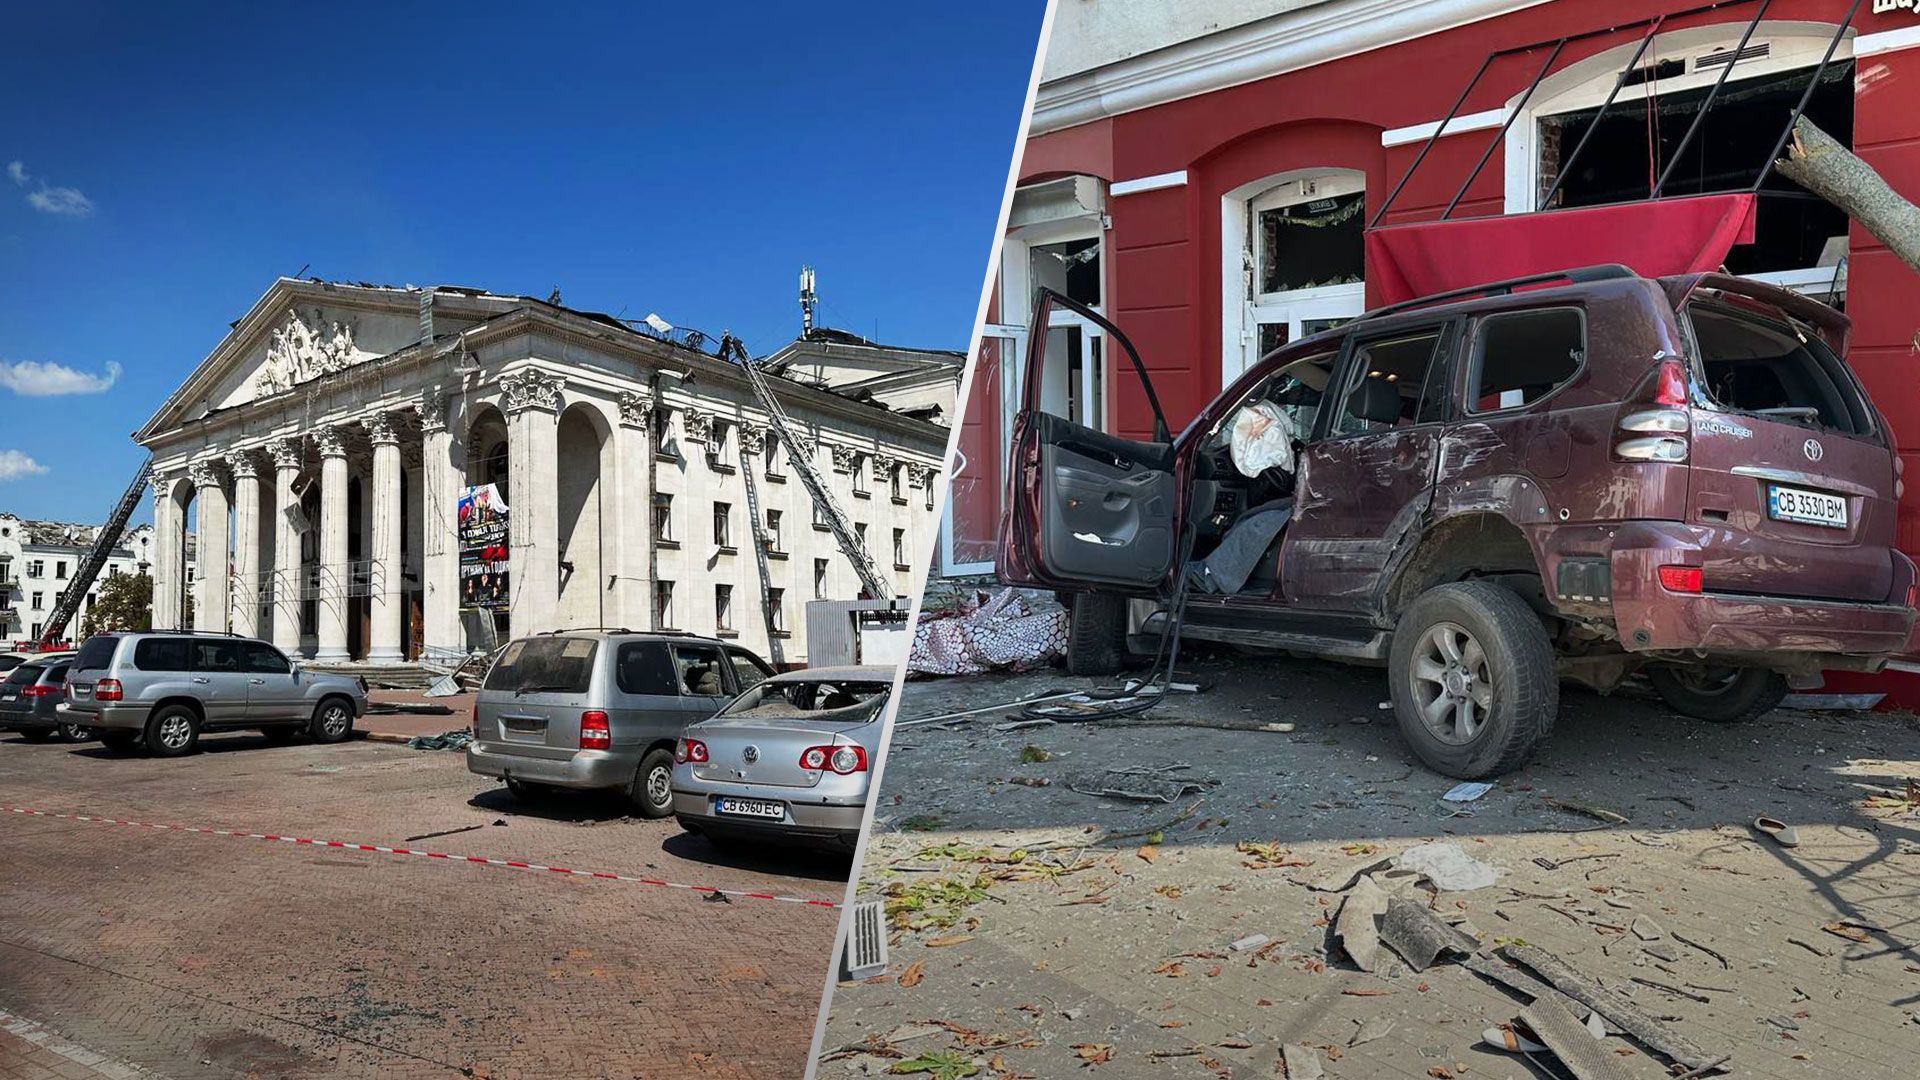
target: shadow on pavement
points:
(812, 864)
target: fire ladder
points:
(800, 454)
(109, 538)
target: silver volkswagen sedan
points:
(788, 762)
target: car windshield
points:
(1296, 389)
(557, 665)
(829, 701)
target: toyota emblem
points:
(751, 754)
(1814, 450)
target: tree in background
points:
(125, 603)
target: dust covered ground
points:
(169, 953)
(1042, 932)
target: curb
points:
(386, 737)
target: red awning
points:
(1669, 236)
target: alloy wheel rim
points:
(334, 721)
(659, 786)
(1452, 687)
(1708, 681)
(174, 731)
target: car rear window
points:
(161, 654)
(57, 674)
(1774, 369)
(95, 653)
(557, 665)
(24, 675)
(832, 701)
(1525, 355)
(646, 667)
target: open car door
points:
(1085, 508)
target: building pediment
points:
(301, 333)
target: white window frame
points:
(1244, 311)
(1013, 358)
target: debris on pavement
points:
(1143, 784)
(1355, 927)
(1778, 831)
(1447, 867)
(1587, 809)
(1617, 1010)
(1572, 1042)
(1467, 791)
(1302, 1062)
(457, 739)
(1419, 936)
(1373, 1027)
(988, 633)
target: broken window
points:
(1771, 368)
(1395, 383)
(1793, 230)
(1313, 243)
(723, 607)
(1071, 267)
(1526, 355)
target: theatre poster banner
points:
(483, 548)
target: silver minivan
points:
(601, 710)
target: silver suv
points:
(601, 709)
(163, 688)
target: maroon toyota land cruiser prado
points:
(1566, 477)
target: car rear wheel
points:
(1472, 679)
(1096, 634)
(1723, 695)
(332, 721)
(172, 731)
(119, 739)
(36, 734)
(74, 733)
(652, 791)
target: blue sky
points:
(685, 159)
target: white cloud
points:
(31, 378)
(61, 200)
(15, 465)
(64, 201)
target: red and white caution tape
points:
(348, 845)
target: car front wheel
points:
(1723, 695)
(332, 721)
(652, 792)
(1472, 679)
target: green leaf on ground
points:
(939, 1064)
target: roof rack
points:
(583, 629)
(1580, 276)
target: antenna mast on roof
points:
(807, 300)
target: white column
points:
(246, 543)
(389, 572)
(287, 454)
(212, 606)
(442, 475)
(333, 545)
(166, 556)
(532, 399)
(630, 512)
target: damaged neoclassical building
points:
(411, 473)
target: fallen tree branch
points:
(1816, 161)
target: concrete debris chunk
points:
(1616, 1010)
(1572, 1042)
(1419, 936)
(1303, 1062)
(1646, 929)
(1374, 1027)
(1354, 926)
(1251, 941)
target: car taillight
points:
(39, 691)
(1670, 384)
(840, 759)
(1660, 433)
(1913, 596)
(1685, 579)
(594, 732)
(107, 690)
(690, 750)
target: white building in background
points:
(326, 444)
(37, 561)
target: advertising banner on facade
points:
(483, 547)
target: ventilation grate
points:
(866, 952)
(1727, 56)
